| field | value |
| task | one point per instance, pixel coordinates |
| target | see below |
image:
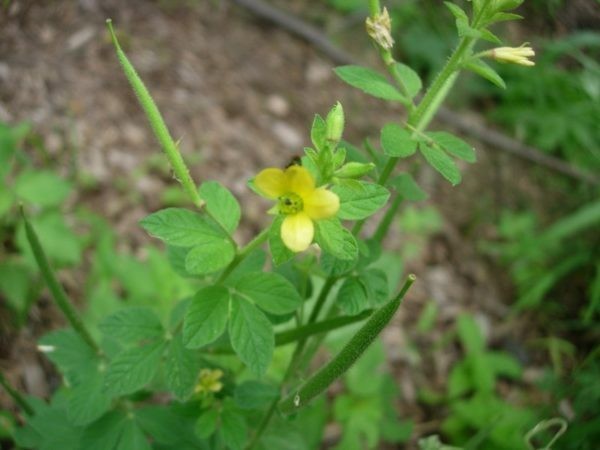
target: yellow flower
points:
(515, 55)
(299, 200)
(209, 381)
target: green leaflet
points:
(42, 188)
(221, 204)
(254, 394)
(484, 70)
(132, 437)
(251, 335)
(352, 296)
(211, 249)
(270, 291)
(132, 324)
(440, 161)
(360, 199)
(207, 423)
(397, 142)
(233, 430)
(318, 132)
(411, 80)
(87, 401)
(210, 257)
(206, 316)
(370, 82)
(70, 353)
(181, 227)
(453, 145)
(406, 186)
(181, 368)
(133, 368)
(335, 239)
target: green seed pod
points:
(354, 170)
(347, 356)
(335, 123)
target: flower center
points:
(290, 203)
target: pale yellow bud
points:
(380, 29)
(514, 55)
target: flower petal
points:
(321, 204)
(297, 232)
(299, 180)
(271, 182)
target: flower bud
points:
(380, 29)
(514, 55)
(335, 123)
(354, 170)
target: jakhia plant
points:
(110, 398)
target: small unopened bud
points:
(380, 29)
(335, 123)
(354, 170)
(514, 55)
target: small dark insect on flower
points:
(295, 161)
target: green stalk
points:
(157, 122)
(242, 253)
(374, 8)
(16, 396)
(386, 222)
(323, 378)
(441, 86)
(306, 331)
(56, 289)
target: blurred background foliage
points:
(551, 251)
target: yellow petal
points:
(271, 182)
(297, 232)
(299, 180)
(321, 204)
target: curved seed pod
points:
(347, 356)
(156, 122)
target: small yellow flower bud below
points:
(380, 29)
(209, 381)
(515, 55)
(299, 200)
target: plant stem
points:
(374, 8)
(243, 253)
(440, 87)
(385, 223)
(16, 396)
(306, 331)
(56, 289)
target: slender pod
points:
(157, 122)
(56, 289)
(347, 356)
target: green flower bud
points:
(335, 123)
(354, 170)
